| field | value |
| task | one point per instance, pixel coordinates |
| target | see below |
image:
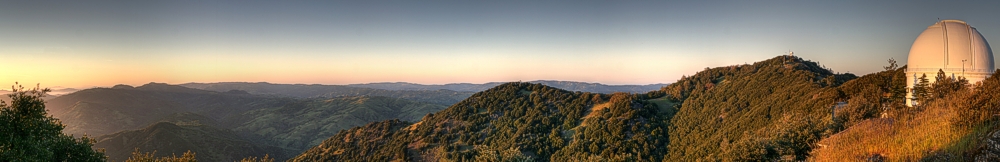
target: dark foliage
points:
(513, 121)
(983, 106)
(28, 133)
(770, 109)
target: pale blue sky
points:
(80, 44)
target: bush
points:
(28, 133)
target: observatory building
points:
(952, 46)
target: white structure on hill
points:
(952, 46)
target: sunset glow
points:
(72, 44)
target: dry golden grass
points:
(900, 138)
(597, 108)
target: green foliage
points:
(735, 112)
(486, 154)
(922, 91)
(869, 96)
(28, 133)
(982, 106)
(512, 121)
(944, 86)
(372, 142)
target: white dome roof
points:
(952, 46)
(945, 44)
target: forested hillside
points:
(771, 109)
(512, 121)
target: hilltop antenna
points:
(790, 53)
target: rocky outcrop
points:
(990, 150)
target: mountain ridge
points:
(687, 120)
(281, 125)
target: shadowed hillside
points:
(305, 123)
(101, 111)
(210, 143)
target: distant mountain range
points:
(468, 87)
(445, 97)
(277, 125)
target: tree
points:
(893, 89)
(944, 85)
(892, 65)
(28, 133)
(921, 91)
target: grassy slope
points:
(926, 133)
(952, 128)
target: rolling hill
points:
(279, 125)
(302, 124)
(100, 111)
(209, 143)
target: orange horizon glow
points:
(70, 71)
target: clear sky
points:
(83, 44)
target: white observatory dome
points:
(952, 46)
